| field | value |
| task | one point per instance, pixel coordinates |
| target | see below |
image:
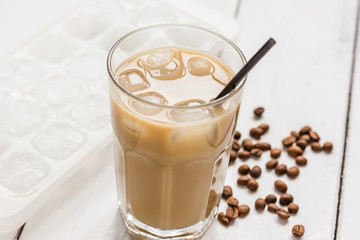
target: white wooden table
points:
(312, 77)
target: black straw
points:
(246, 68)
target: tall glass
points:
(170, 174)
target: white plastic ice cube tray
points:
(54, 111)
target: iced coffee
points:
(172, 143)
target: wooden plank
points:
(349, 208)
(304, 80)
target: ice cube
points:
(199, 66)
(57, 91)
(22, 172)
(189, 115)
(191, 102)
(133, 80)
(27, 70)
(89, 66)
(4, 145)
(164, 64)
(20, 117)
(92, 112)
(146, 109)
(59, 140)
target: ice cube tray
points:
(53, 98)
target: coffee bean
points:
(243, 180)
(244, 155)
(243, 210)
(260, 204)
(295, 134)
(259, 111)
(301, 160)
(255, 172)
(294, 151)
(288, 141)
(256, 133)
(305, 137)
(302, 143)
(236, 145)
(275, 153)
(316, 147)
(237, 135)
(227, 192)
(263, 146)
(223, 219)
(244, 169)
(293, 208)
(298, 231)
(273, 208)
(280, 186)
(247, 144)
(271, 198)
(252, 185)
(256, 152)
(265, 127)
(293, 172)
(232, 213)
(286, 199)
(283, 214)
(271, 164)
(233, 202)
(314, 136)
(233, 155)
(280, 169)
(305, 130)
(327, 147)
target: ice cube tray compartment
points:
(54, 101)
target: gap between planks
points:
(353, 64)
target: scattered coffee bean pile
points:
(295, 145)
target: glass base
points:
(196, 231)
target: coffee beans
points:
(236, 145)
(244, 155)
(265, 127)
(259, 111)
(280, 186)
(256, 133)
(305, 130)
(285, 199)
(255, 172)
(227, 192)
(243, 180)
(316, 147)
(271, 164)
(244, 169)
(233, 202)
(288, 141)
(237, 135)
(260, 204)
(273, 208)
(232, 213)
(223, 219)
(271, 198)
(293, 172)
(243, 210)
(280, 169)
(252, 185)
(293, 208)
(247, 144)
(294, 151)
(275, 153)
(283, 214)
(233, 155)
(302, 143)
(314, 136)
(263, 146)
(298, 231)
(295, 134)
(256, 152)
(327, 147)
(305, 137)
(301, 160)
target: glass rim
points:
(208, 104)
